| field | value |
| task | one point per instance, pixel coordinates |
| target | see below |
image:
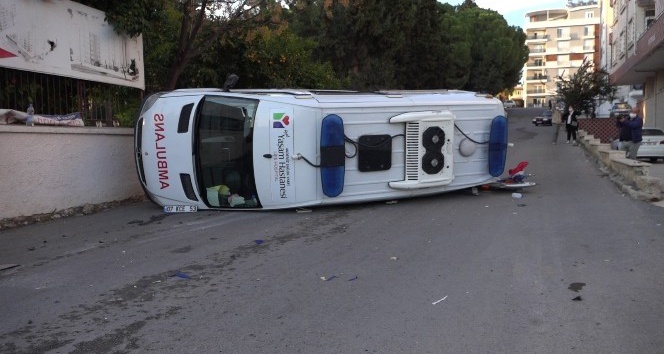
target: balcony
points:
(537, 38)
(538, 77)
(572, 3)
(535, 65)
(645, 3)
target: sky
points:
(514, 10)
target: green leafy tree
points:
(498, 51)
(361, 37)
(455, 51)
(282, 59)
(585, 87)
(129, 17)
(201, 24)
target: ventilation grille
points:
(412, 151)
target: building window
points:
(630, 33)
(563, 61)
(650, 17)
(563, 47)
(621, 44)
(590, 14)
(589, 31)
(588, 45)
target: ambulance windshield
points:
(224, 142)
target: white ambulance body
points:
(270, 149)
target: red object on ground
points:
(520, 167)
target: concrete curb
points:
(632, 176)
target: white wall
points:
(44, 168)
(65, 38)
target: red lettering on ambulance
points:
(162, 164)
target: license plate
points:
(180, 208)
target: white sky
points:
(514, 10)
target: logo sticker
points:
(280, 120)
(281, 145)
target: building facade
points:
(559, 41)
(634, 31)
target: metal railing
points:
(56, 95)
(534, 38)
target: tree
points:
(429, 58)
(202, 23)
(129, 17)
(584, 87)
(498, 51)
(282, 59)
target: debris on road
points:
(182, 275)
(8, 266)
(436, 302)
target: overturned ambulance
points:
(270, 149)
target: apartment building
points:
(634, 53)
(559, 40)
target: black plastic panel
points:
(374, 153)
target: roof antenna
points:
(231, 80)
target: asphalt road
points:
(574, 266)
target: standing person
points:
(635, 125)
(557, 120)
(571, 124)
(625, 134)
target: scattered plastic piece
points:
(435, 302)
(390, 202)
(517, 195)
(394, 258)
(578, 298)
(182, 275)
(330, 278)
(258, 242)
(353, 278)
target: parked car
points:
(652, 146)
(620, 109)
(509, 104)
(543, 119)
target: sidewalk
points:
(640, 179)
(657, 170)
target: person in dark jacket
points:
(571, 124)
(625, 132)
(635, 125)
